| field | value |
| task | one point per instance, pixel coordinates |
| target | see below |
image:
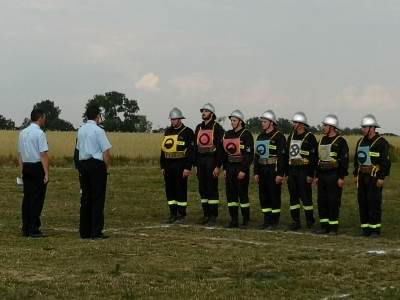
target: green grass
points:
(144, 260)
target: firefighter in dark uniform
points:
(176, 161)
(209, 153)
(269, 169)
(371, 166)
(333, 163)
(301, 166)
(238, 157)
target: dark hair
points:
(92, 112)
(36, 114)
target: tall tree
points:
(52, 115)
(120, 113)
(6, 124)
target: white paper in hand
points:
(19, 181)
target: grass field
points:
(128, 148)
(144, 259)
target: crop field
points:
(127, 147)
(146, 259)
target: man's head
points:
(207, 112)
(176, 116)
(330, 125)
(93, 113)
(237, 119)
(268, 120)
(299, 121)
(369, 125)
(38, 116)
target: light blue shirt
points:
(32, 141)
(92, 141)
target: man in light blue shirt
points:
(34, 165)
(94, 160)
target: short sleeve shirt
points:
(31, 143)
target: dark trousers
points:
(34, 194)
(237, 192)
(299, 189)
(270, 195)
(369, 203)
(329, 199)
(176, 188)
(208, 186)
(94, 182)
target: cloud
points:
(370, 98)
(148, 83)
(191, 84)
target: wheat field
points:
(126, 146)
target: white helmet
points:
(176, 113)
(269, 115)
(300, 117)
(369, 121)
(209, 107)
(237, 114)
(331, 120)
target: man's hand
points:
(309, 179)
(257, 178)
(241, 175)
(224, 174)
(216, 172)
(340, 183)
(46, 178)
(163, 172)
(186, 173)
(356, 180)
(380, 183)
(279, 179)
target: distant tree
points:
(284, 125)
(25, 123)
(253, 124)
(120, 113)
(6, 124)
(53, 117)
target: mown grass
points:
(144, 260)
(128, 148)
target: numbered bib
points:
(294, 150)
(205, 138)
(363, 156)
(262, 148)
(232, 146)
(324, 152)
(170, 144)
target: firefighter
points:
(238, 156)
(176, 160)
(269, 169)
(301, 163)
(333, 162)
(371, 166)
(208, 153)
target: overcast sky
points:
(321, 57)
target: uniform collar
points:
(35, 125)
(91, 122)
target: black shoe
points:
(180, 220)
(321, 231)
(232, 225)
(212, 222)
(24, 233)
(100, 237)
(204, 220)
(294, 226)
(171, 220)
(37, 234)
(310, 224)
(374, 235)
(365, 233)
(264, 226)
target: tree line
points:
(119, 114)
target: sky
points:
(316, 56)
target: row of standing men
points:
(300, 158)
